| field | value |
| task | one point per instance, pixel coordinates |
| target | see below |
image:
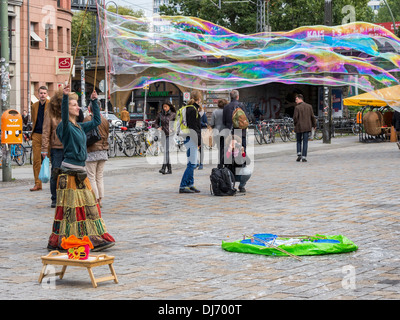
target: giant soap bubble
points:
(199, 54)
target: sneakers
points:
(200, 167)
(53, 204)
(191, 189)
(185, 190)
(242, 189)
(300, 158)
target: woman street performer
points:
(77, 211)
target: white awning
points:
(35, 36)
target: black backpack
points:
(222, 182)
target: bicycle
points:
(152, 140)
(317, 134)
(258, 133)
(26, 138)
(116, 143)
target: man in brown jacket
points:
(37, 115)
(304, 121)
(125, 117)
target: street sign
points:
(186, 96)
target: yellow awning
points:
(378, 98)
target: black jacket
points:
(193, 121)
(228, 111)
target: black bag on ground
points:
(222, 182)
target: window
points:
(10, 21)
(68, 41)
(48, 41)
(35, 39)
(60, 39)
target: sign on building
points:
(63, 65)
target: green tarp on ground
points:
(316, 245)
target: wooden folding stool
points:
(61, 259)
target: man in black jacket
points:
(227, 115)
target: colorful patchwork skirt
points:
(77, 213)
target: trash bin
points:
(11, 127)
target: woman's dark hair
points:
(171, 106)
(222, 103)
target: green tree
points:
(384, 13)
(88, 39)
(238, 17)
(284, 15)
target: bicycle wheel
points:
(283, 134)
(318, 134)
(269, 135)
(18, 154)
(153, 149)
(111, 147)
(130, 146)
(258, 135)
(291, 134)
(355, 128)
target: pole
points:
(83, 89)
(146, 88)
(327, 106)
(5, 84)
(391, 14)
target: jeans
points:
(242, 175)
(191, 153)
(302, 139)
(166, 150)
(56, 157)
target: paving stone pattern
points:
(346, 187)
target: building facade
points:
(44, 28)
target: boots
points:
(169, 169)
(162, 170)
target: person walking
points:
(216, 122)
(51, 143)
(163, 119)
(77, 212)
(37, 116)
(125, 117)
(192, 142)
(97, 157)
(304, 121)
(228, 112)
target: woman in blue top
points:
(77, 211)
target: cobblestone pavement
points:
(346, 187)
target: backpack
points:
(239, 119)
(180, 124)
(222, 182)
